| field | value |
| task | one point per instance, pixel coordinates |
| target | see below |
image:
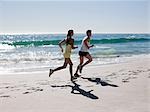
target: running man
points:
(84, 53)
(69, 42)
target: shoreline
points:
(38, 70)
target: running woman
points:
(69, 43)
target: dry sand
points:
(122, 87)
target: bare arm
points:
(60, 44)
(73, 47)
(91, 45)
(86, 43)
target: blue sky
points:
(110, 16)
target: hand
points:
(76, 47)
(92, 45)
(62, 50)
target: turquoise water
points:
(26, 53)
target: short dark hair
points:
(88, 31)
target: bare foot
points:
(77, 75)
(73, 78)
(50, 72)
(80, 68)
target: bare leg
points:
(78, 67)
(70, 68)
(88, 56)
(59, 68)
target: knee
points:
(90, 60)
(81, 63)
(71, 64)
(64, 66)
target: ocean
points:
(39, 52)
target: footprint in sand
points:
(128, 78)
(15, 90)
(113, 74)
(5, 96)
(133, 77)
(36, 89)
(124, 74)
(5, 83)
(33, 89)
(26, 92)
(124, 80)
(9, 87)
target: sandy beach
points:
(110, 37)
(122, 87)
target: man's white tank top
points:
(83, 46)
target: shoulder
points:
(86, 38)
(71, 39)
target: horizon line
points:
(42, 33)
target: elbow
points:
(59, 44)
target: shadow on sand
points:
(99, 81)
(77, 90)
